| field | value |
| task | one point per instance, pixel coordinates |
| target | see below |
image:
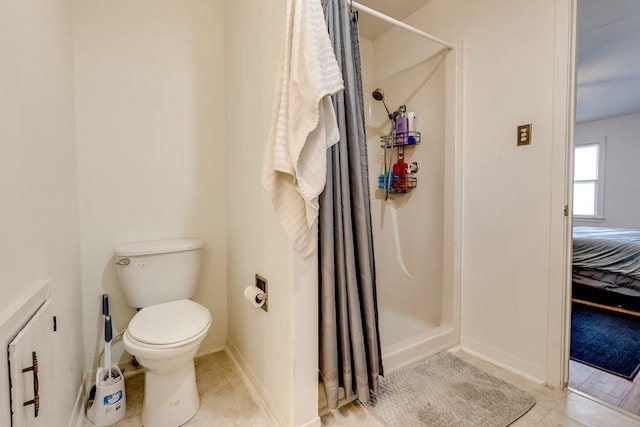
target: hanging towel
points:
(294, 172)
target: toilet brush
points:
(105, 312)
(109, 400)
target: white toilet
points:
(158, 277)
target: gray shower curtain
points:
(349, 338)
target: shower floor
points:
(405, 339)
(397, 327)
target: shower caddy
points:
(398, 175)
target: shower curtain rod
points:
(400, 24)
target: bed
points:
(606, 266)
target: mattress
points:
(607, 289)
(612, 250)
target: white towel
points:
(295, 165)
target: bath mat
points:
(606, 340)
(445, 391)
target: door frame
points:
(560, 239)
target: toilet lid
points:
(169, 323)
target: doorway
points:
(607, 112)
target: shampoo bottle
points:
(402, 126)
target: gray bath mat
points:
(445, 391)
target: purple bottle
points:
(402, 127)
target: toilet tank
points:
(158, 271)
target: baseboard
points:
(77, 416)
(316, 422)
(212, 345)
(513, 364)
(405, 353)
(324, 409)
(254, 386)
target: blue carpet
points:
(606, 340)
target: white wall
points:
(508, 213)
(38, 219)
(150, 144)
(621, 173)
(278, 350)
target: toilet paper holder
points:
(261, 283)
(261, 297)
(257, 293)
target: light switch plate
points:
(524, 134)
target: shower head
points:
(378, 95)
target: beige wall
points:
(512, 197)
(150, 144)
(38, 219)
(509, 214)
(278, 349)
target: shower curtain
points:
(349, 338)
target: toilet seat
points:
(170, 324)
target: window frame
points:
(601, 142)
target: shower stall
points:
(416, 230)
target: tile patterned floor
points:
(225, 402)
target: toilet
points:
(158, 277)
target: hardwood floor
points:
(606, 387)
(606, 307)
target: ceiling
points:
(607, 59)
(371, 28)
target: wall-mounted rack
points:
(398, 176)
(400, 139)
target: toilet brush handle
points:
(108, 332)
(105, 304)
(108, 335)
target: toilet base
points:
(170, 398)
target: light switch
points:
(524, 134)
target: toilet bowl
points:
(164, 338)
(158, 277)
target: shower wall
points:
(409, 229)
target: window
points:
(588, 179)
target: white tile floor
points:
(225, 402)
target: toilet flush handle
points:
(124, 261)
